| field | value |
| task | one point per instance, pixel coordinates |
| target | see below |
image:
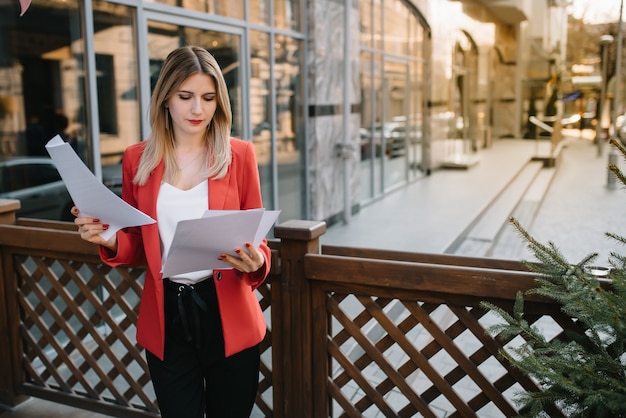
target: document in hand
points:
(198, 243)
(89, 194)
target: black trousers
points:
(195, 379)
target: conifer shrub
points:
(584, 373)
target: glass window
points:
(392, 93)
(414, 126)
(416, 41)
(395, 105)
(365, 23)
(115, 48)
(261, 111)
(228, 8)
(225, 47)
(42, 91)
(259, 11)
(290, 139)
(287, 14)
(41, 174)
(377, 12)
(396, 27)
(369, 146)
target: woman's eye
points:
(181, 97)
(209, 99)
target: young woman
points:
(201, 330)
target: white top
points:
(174, 205)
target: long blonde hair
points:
(178, 66)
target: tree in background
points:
(583, 374)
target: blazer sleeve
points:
(130, 249)
(250, 198)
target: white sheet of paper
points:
(198, 243)
(88, 193)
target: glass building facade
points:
(85, 70)
(344, 101)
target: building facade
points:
(344, 100)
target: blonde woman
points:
(200, 330)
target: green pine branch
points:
(582, 373)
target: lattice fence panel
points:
(401, 358)
(78, 332)
(265, 398)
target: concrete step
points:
(491, 234)
(508, 243)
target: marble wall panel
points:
(326, 167)
(326, 48)
(326, 63)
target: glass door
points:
(395, 124)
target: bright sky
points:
(597, 11)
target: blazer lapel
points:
(218, 190)
(146, 202)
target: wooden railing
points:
(351, 332)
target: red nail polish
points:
(248, 244)
(237, 250)
(96, 220)
(105, 226)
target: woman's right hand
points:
(90, 229)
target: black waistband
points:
(208, 281)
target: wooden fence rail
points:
(351, 332)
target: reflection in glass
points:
(259, 12)
(414, 128)
(417, 35)
(260, 111)
(225, 47)
(391, 78)
(395, 105)
(365, 23)
(290, 139)
(115, 47)
(396, 27)
(229, 8)
(377, 12)
(368, 145)
(41, 78)
(287, 14)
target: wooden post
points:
(291, 347)
(8, 393)
(8, 207)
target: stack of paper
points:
(88, 193)
(197, 243)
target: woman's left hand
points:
(246, 260)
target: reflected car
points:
(395, 135)
(37, 184)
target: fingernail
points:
(96, 220)
(237, 250)
(105, 226)
(221, 257)
(248, 244)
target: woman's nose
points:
(196, 106)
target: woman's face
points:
(193, 105)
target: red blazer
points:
(242, 319)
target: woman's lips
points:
(195, 121)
